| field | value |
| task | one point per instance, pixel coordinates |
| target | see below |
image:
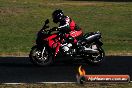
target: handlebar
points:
(50, 30)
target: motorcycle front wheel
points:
(40, 57)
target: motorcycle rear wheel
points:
(97, 58)
(37, 58)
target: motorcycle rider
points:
(67, 25)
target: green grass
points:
(21, 19)
(89, 85)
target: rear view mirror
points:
(47, 21)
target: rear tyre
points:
(40, 57)
(97, 58)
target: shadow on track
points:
(25, 62)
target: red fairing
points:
(75, 33)
(57, 48)
(51, 41)
(54, 43)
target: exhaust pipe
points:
(89, 50)
(92, 37)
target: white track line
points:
(42, 83)
(56, 82)
(13, 83)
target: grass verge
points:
(89, 85)
(21, 19)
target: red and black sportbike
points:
(49, 45)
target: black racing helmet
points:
(57, 15)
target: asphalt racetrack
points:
(21, 70)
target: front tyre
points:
(40, 56)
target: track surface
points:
(20, 70)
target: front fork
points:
(43, 51)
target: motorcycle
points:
(49, 45)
